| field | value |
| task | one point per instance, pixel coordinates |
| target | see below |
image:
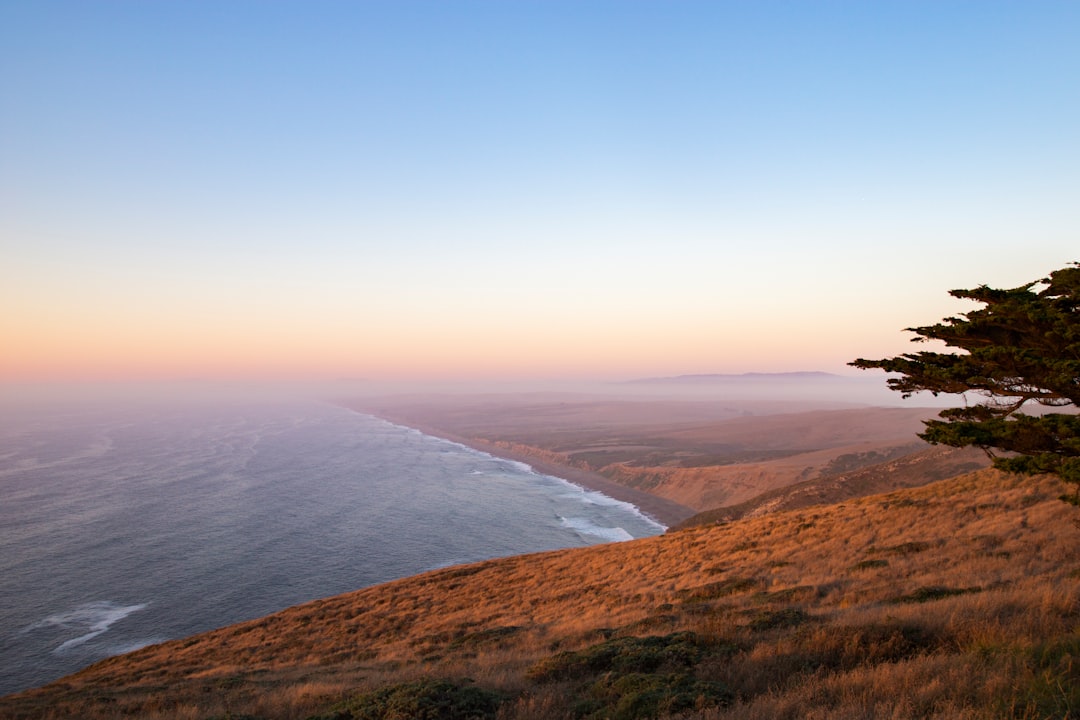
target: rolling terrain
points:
(699, 454)
(923, 466)
(958, 599)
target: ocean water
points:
(124, 527)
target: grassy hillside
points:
(960, 599)
(925, 465)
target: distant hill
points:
(820, 389)
(722, 377)
(957, 599)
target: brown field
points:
(958, 599)
(923, 466)
(699, 455)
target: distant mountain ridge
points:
(720, 377)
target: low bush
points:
(623, 655)
(635, 696)
(628, 678)
(419, 700)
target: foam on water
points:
(190, 518)
(89, 620)
(592, 497)
(586, 527)
(578, 493)
(523, 467)
(95, 448)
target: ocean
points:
(125, 526)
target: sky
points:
(496, 190)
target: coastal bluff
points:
(960, 598)
(674, 457)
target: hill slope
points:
(926, 465)
(957, 599)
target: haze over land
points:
(700, 443)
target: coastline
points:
(660, 510)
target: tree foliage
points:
(1022, 347)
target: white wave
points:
(89, 619)
(518, 465)
(595, 497)
(583, 526)
(579, 493)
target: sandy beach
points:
(663, 511)
(670, 458)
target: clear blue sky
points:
(430, 189)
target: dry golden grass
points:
(960, 599)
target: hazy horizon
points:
(549, 192)
(763, 394)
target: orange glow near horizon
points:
(574, 208)
(483, 350)
(429, 327)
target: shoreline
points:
(666, 513)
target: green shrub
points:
(627, 678)
(623, 655)
(634, 696)
(419, 700)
